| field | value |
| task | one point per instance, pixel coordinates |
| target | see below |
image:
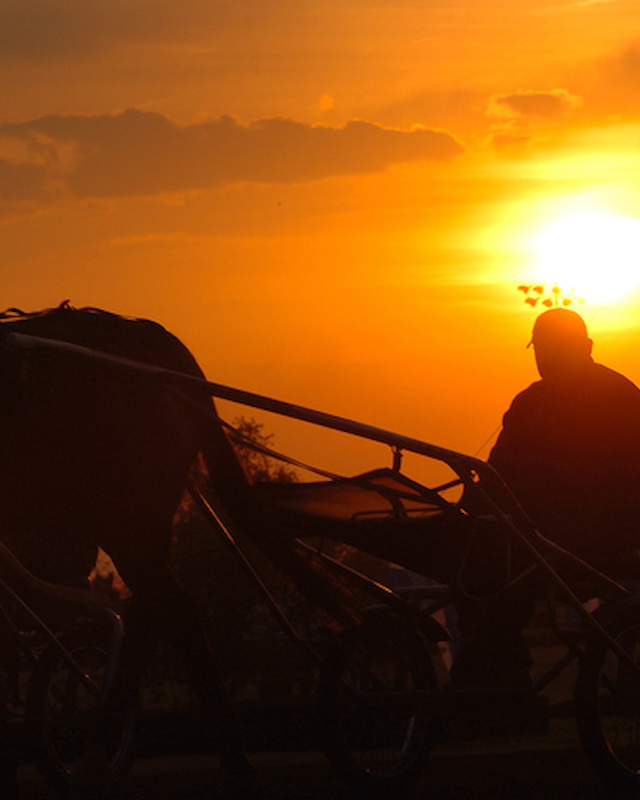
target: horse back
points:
(94, 455)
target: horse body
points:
(94, 455)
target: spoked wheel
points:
(60, 700)
(607, 700)
(374, 699)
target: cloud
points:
(526, 117)
(23, 182)
(140, 153)
(620, 75)
(546, 105)
(610, 84)
(41, 30)
(53, 30)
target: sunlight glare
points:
(591, 255)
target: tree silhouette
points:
(252, 449)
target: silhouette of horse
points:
(94, 455)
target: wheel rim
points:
(69, 703)
(378, 707)
(618, 703)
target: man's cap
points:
(561, 325)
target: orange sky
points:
(330, 202)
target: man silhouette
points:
(570, 448)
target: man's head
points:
(561, 343)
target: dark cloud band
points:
(139, 153)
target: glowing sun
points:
(592, 255)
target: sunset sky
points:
(331, 202)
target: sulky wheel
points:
(607, 701)
(59, 704)
(374, 700)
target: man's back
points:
(570, 451)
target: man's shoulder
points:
(603, 377)
(612, 389)
(600, 385)
(609, 376)
(532, 395)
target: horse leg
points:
(8, 754)
(160, 608)
(9, 750)
(170, 612)
(184, 631)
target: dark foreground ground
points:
(549, 766)
(545, 768)
(515, 765)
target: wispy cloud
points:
(46, 30)
(530, 103)
(586, 3)
(520, 118)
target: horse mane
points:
(13, 314)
